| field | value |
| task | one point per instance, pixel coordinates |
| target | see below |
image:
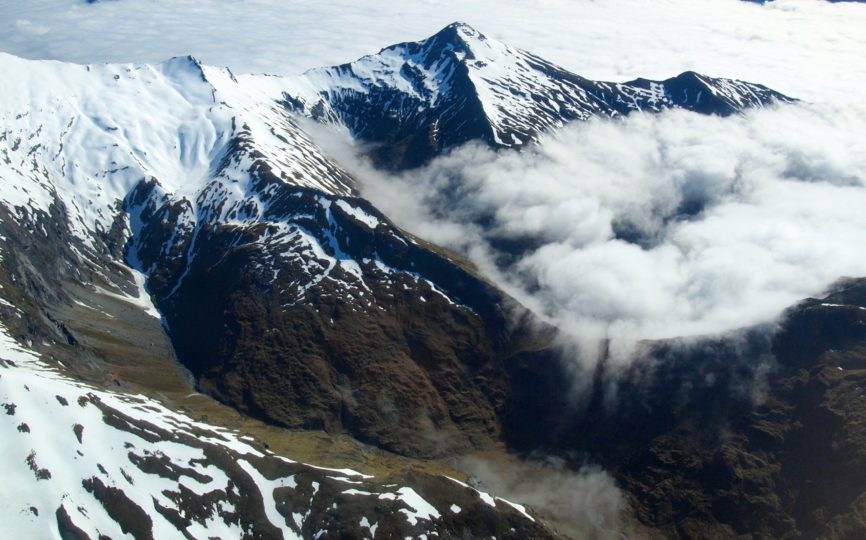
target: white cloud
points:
(807, 48)
(655, 226)
(28, 27)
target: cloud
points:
(654, 226)
(581, 504)
(650, 227)
(28, 27)
(812, 50)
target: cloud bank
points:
(809, 49)
(655, 226)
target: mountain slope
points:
(176, 170)
(755, 434)
(88, 134)
(282, 293)
(417, 99)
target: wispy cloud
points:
(581, 504)
(650, 227)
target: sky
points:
(780, 191)
(806, 48)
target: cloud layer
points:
(655, 226)
(809, 49)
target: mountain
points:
(420, 98)
(278, 289)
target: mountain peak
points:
(188, 65)
(458, 37)
(459, 31)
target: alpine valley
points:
(206, 332)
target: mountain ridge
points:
(458, 85)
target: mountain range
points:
(175, 243)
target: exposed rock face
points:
(295, 301)
(100, 463)
(89, 461)
(69, 303)
(284, 294)
(323, 315)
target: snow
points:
(503, 78)
(365, 218)
(95, 131)
(267, 488)
(347, 472)
(143, 299)
(357, 492)
(104, 453)
(32, 388)
(519, 507)
(420, 509)
(366, 523)
(787, 43)
(521, 95)
(491, 500)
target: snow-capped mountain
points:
(422, 97)
(233, 215)
(88, 134)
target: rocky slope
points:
(90, 456)
(149, 166)
(285, 295)
(90, 463)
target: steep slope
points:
(89, 134)
(285, 295)
(321, 314)
(417, 99)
